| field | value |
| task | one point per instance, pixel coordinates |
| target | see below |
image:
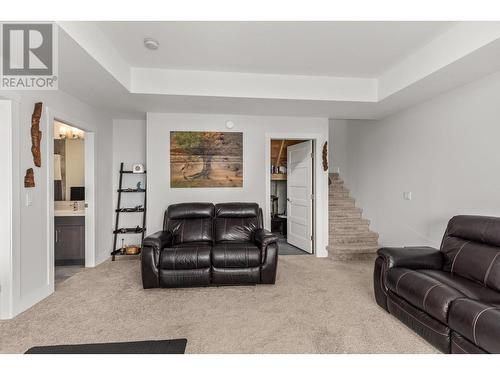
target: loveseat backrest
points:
(190, 222)
(471, 248)
(237, 221)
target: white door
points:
(299, 195)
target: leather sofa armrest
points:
(158, 240)
(263, 238)
(149, 267)
(418, 257)
(268, 245)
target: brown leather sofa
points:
(203, 244)
(451, 296)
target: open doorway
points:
(69, 201)
(291, 195)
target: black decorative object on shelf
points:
(131, 209)
(119, 210)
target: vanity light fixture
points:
(67, 132)
(63, 130)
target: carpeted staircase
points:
(350, 237)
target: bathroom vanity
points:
(69, 236)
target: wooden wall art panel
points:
(36, 134)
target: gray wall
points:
(129, 147)
(445, 151)
(254, 129)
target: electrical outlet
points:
(407, 195)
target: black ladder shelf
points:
(124, 210)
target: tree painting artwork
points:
(206, 159)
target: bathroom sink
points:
(69, 213)
(67, 208)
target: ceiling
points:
(385, 67)
(341, 49)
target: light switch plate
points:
(29, 199)
(407, 195)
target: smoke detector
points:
(151, 44)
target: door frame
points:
(320, 189)
(7, 225)
(89, 147)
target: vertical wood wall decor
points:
(36, 134)
(325, 156)
(29, 178)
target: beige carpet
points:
(316, 306)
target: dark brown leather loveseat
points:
(451, 296)
(204, 244)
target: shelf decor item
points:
(36, 134)
(132, 250)
(128, 210)
(138, 168)
(206, 159)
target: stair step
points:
(344, 210)
(354, 248)
(351, 212)
(348, 223)
(337, 186)
(341, 204)
(352, 257)
(338, 194)
(340, 199)
(361, 241)
(365, 235)
(346, 216)
(342, 222)
(352, 233)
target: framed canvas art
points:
(206, 159)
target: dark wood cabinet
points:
(69, 240)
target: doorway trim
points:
(90, 228)
(320, 189)
(7, 225)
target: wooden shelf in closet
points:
(278, 177)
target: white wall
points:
(31, 258)
(337, 145)
(129, 147)
(254, 129)
(7, 216)
(445, 151)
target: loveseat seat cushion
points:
(477, 321)
(469, 288)
(422, 291)
(235, 255)
(185, 257)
